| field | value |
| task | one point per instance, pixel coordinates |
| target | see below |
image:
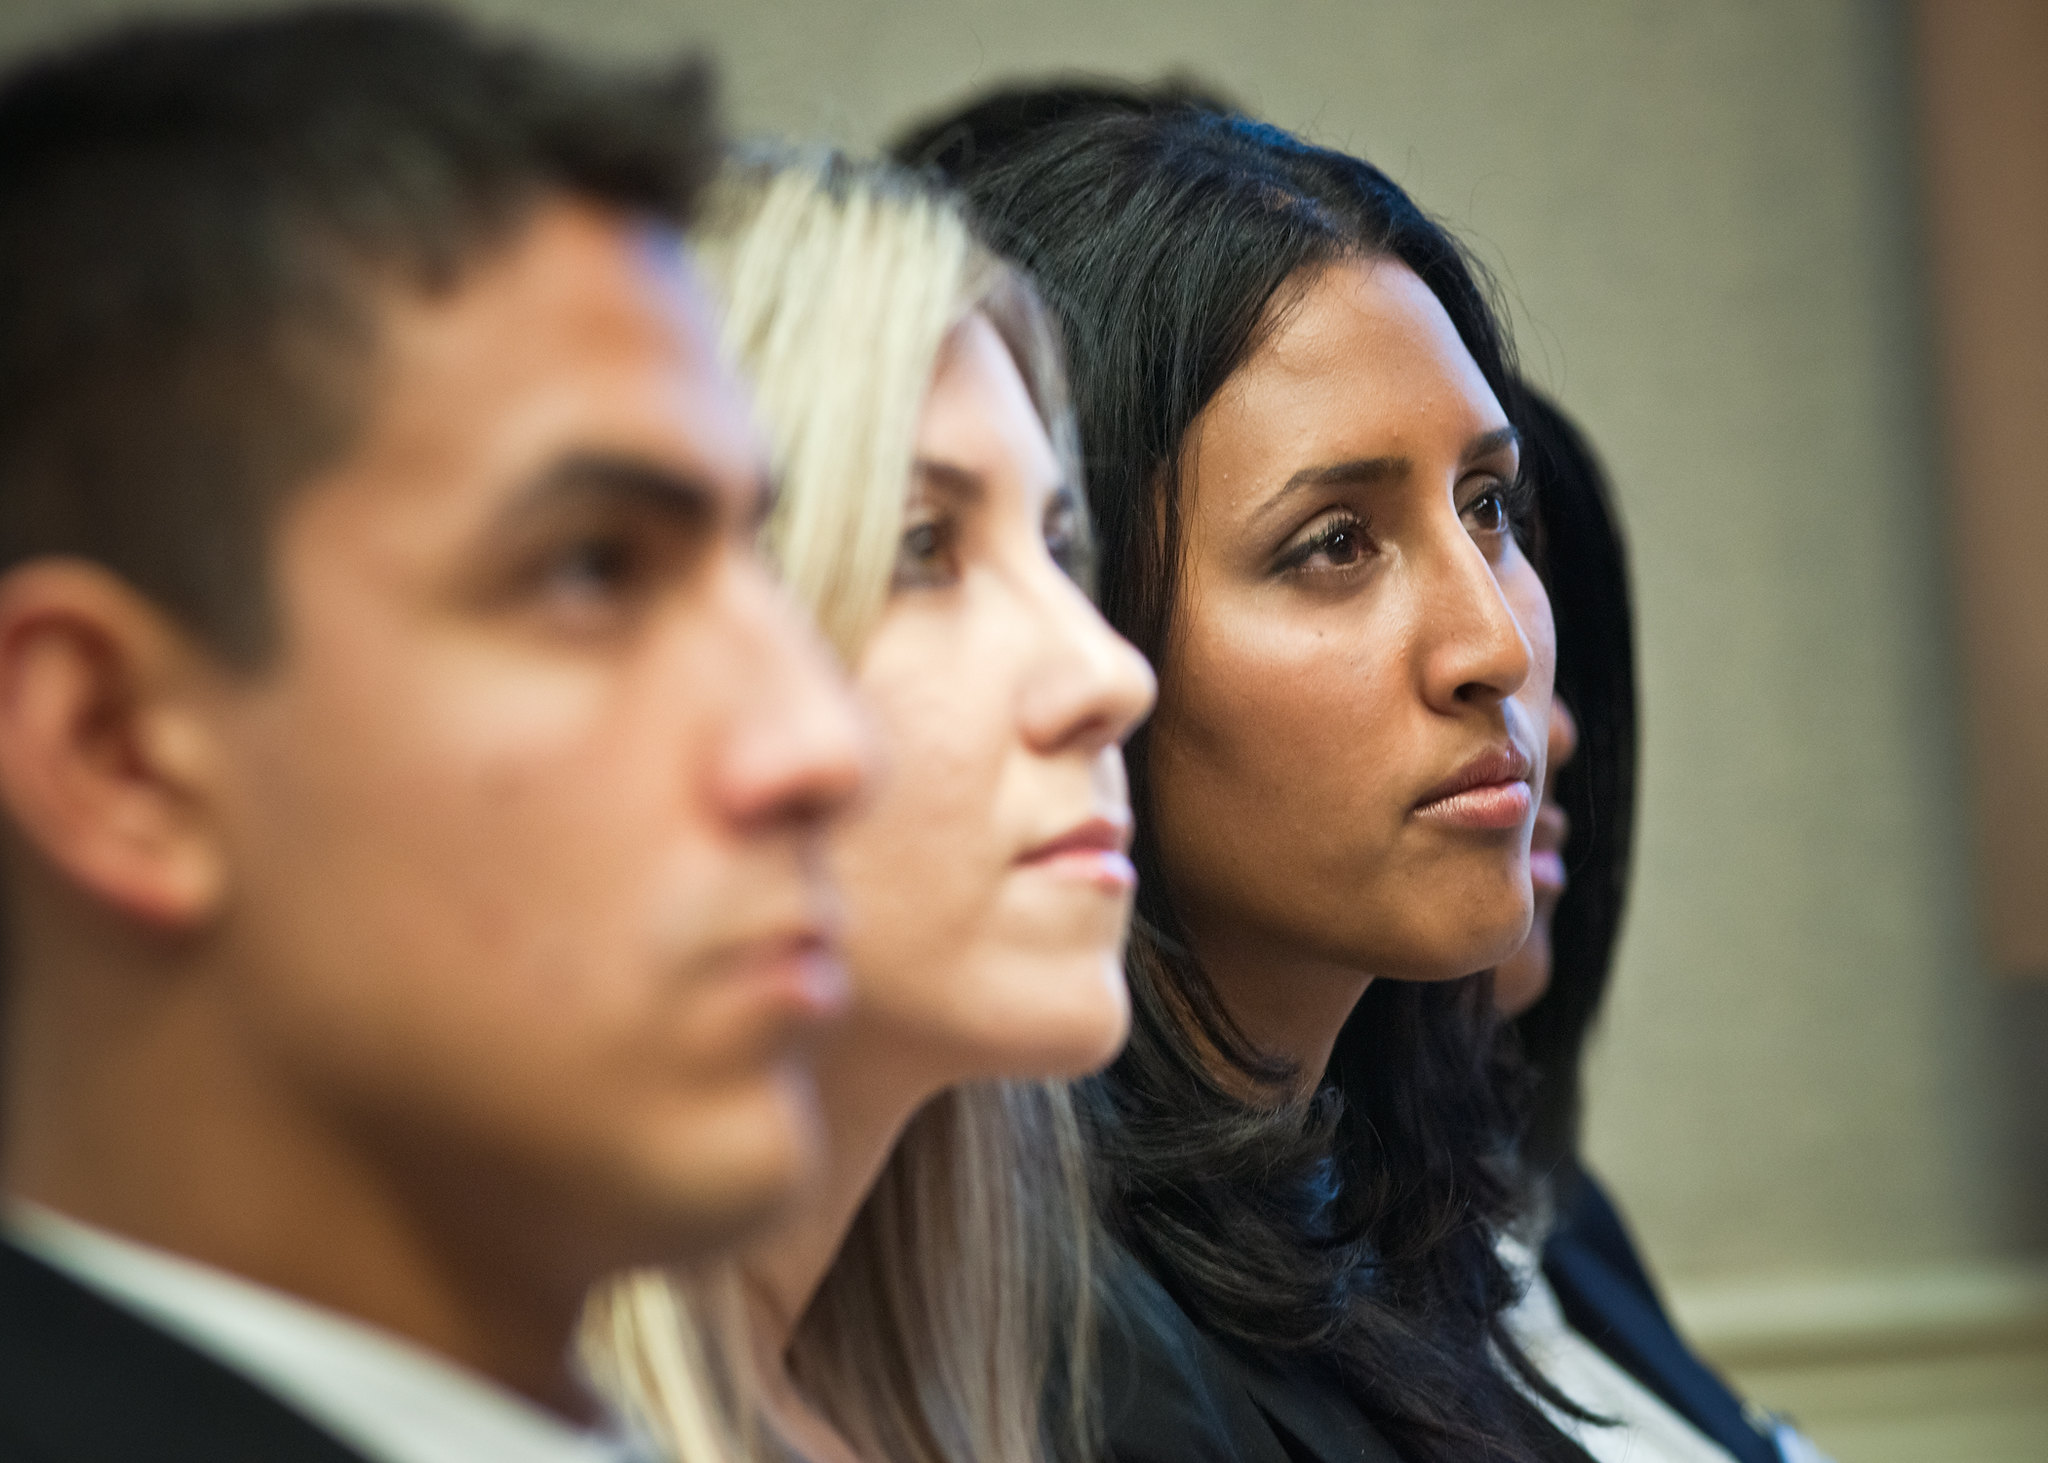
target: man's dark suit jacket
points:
(1608, 1297)
(84, 1381)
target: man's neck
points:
(173, 1141)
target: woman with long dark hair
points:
(1592, 1321)
(1297, 411)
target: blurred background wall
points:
(1820, 1106)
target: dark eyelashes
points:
(1515, 500)
(1518, 496)
(1326, 539)
(1333, 533)
(1346, 537)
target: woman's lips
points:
(1491, 792)
(1491, 805)
(1093, 851)
(1546, 850)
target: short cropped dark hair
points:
(197, 221)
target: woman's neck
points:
(1288, 1006)
(866, 1097)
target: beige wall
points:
(1705, 215)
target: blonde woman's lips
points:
(1093, 851)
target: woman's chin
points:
(1051, 1017)
(1454, 953)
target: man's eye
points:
(594, 567)
(924, 555)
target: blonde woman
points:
(930, 1297)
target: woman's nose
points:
(1090, 687)
(1477, 651)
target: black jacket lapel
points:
(84, 1381)
(1606, 1295)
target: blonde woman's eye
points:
(924, 555)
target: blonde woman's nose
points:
(1090, 687)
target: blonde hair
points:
(954, 1325)
(842, 281)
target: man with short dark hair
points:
(411, 780)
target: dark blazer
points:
(1172, 1394)
(1608, 1297)
(83, 1380)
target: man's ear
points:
(107, 756)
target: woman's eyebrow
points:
(950, 481)
(1357, 472)
(1500, 439)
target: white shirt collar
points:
(392, 1401)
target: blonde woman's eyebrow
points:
(962, 487)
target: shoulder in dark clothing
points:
(84, 1381)
(1607, 1295)
(1172, 1394)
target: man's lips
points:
(1491, 791)
(1093, 849)
(800, 970)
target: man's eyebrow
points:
(625, 480)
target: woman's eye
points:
(1066, 538)
(924, 555)
(1338, 544)
(1489, 513)
(1504, 508)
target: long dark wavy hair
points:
(1586, 568)
(1353, 1233)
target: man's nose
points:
(799, 749)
